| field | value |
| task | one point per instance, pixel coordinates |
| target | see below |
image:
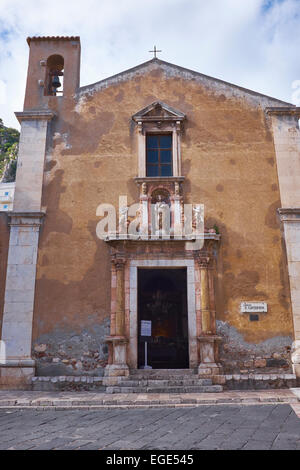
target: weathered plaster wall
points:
(229, 164)
(4, 239)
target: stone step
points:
(168, 377)
(187, 389)
(164, 377)
(162, 372)
(164, 382)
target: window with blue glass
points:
(6, 193)
(159, 155)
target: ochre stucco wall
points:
(229, 165)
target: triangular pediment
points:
(158, 111)
(172, 70)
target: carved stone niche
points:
(161, 203)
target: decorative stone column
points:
(117, 341)
(208, 339)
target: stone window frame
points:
(166, 120)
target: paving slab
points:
(60, 400)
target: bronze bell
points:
(55, 82)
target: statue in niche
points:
(161, 214)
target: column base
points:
(209, 368)
(296, 370)
(208, 353)
(114, 372)
(213, 371)
(295, 356)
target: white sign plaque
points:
(254, 307)
(146, 327)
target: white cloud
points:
(234, 40)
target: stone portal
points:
(162, 299)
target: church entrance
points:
(162, 300)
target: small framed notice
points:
(146, 328)
(254, 307)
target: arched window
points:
(55, 75)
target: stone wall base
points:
(67, 384)
(259, 381)
(16, 378)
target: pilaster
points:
(208, 340)
(290, 218)
(285, 125)
(18, 367)
(117, 341)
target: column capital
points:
(118, 262)
(203, 261)
(35, 114)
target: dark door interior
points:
(162, 299)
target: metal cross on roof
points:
(155, 51)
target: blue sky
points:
(252, 43)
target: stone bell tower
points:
(53, 77)
(47, 56)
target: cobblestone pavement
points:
(273, 426)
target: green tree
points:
(9, 144)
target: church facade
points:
(156, 221)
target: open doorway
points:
(162, 299)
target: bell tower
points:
(54, 65)
(53, 69)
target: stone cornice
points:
(209, 338)
(27, 214)
(26, 218)
(115, 237)
(159, 179)
(52, 38)
(116, 339)
(283, 111)
(289, 214)
(18, 363)
(35, 114)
